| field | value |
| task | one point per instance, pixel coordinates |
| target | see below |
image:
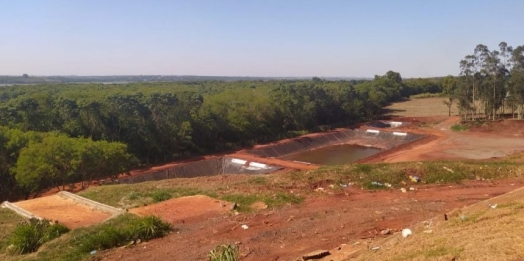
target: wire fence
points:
(206, 167)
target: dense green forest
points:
(56, 134)
(490, 81)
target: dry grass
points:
(8, 221)
(478, 232)
(421, 108)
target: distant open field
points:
(420, 108)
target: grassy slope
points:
(8, 221)
(70, 246)
(276, 190)
(477, 232)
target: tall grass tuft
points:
(150, 227)
(160, 195)
(132, 229)
(224, 253)
(29, 236)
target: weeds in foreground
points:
(29, 236)
(124, 230)
(109, 236)
(224, 253)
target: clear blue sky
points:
(349, 38)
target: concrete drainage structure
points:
(70, 209)
(18, 210)
(91, 203)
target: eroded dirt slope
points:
(322, 222)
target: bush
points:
(150, 227)
(160, 195)
(29, 236)
(131, 229)
(224, 253)
(107, 237)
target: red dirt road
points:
(322, 222)
(499, 140)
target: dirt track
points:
(444, 144)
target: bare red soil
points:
(190, 208)
(68, 212)
(322, 222)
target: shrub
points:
(160, 195)
(107, 237)
(150, 227)
(224, 253)
(131, 229)
(29, 236)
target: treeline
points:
(32, 161)
(490, 81)
(27, 79)
(159, 122)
